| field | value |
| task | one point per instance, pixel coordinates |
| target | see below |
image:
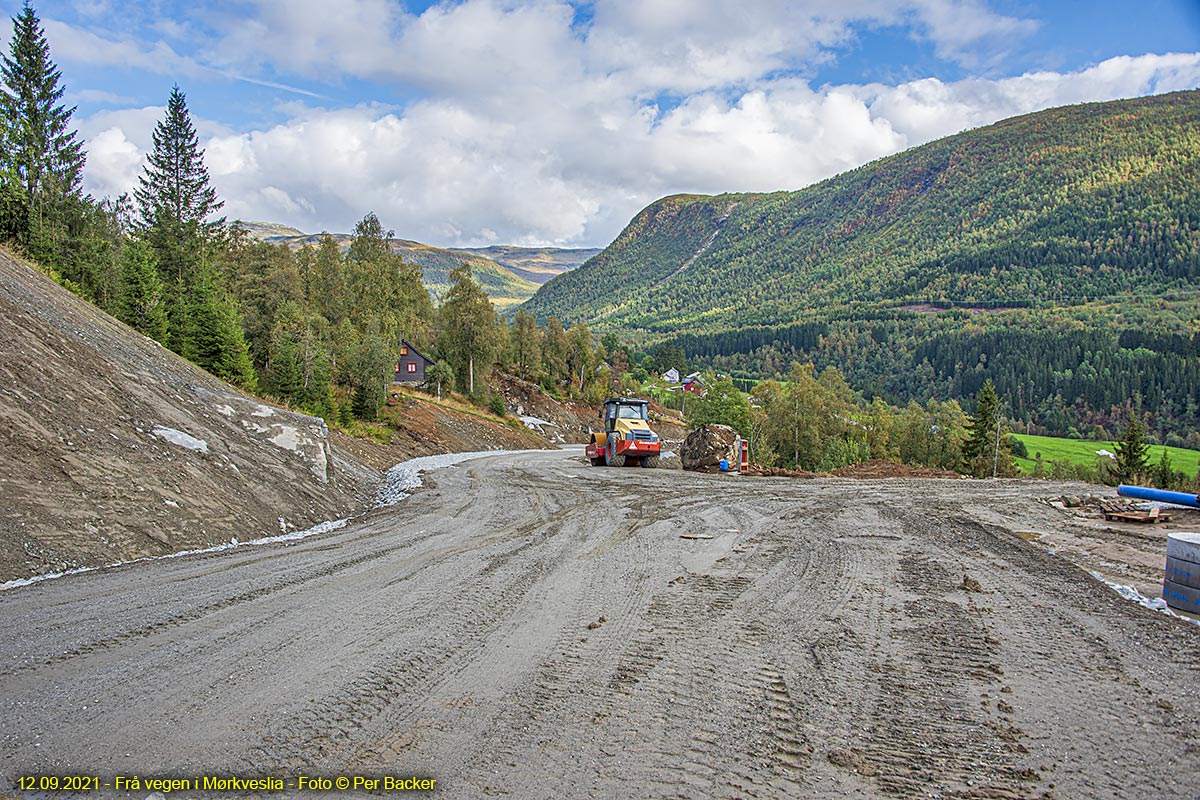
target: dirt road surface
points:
(531, 627)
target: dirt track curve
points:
(531, 627)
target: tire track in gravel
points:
(925, 732)
(198, 612)
(381, 698)
(1076, 665)
(820, 644)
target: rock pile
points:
(704, 448)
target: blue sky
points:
(547, 122)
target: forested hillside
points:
(1057, 253)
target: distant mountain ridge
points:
(1081, 201)
(509, 274)
(537, 264)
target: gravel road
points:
(531, 627)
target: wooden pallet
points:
(1152, 516)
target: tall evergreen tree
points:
(986, 452)
(39, 144)
(174, 196)
(40, 157)
(1133, 452)
(142, 306)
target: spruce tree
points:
(211, 334)
(142, 305)
(987, 450)
(1133, 452)
(174, 196)
(41, 161)
(285, 378)
(1164, 473)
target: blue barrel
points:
(1159, 495)
(724, 465)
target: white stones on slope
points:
(306, 436)
(181, 439)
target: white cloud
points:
(537, 130)
(309, 37)
(646, 46)
(78, 46)
(927, 109)
(113, 163)
(98, 97)
(967, 31)
(136, 125)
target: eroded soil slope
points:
(112, 447)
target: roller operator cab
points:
(626, 438)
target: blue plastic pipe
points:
(1161, 495)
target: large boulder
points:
(704, 447)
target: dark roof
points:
(412, 349)
(629, 401)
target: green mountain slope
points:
(1059, 249)
(1083, 201)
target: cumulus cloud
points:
(113, 163)
(929, 108)
(308, 37)
(533, 125)
(967, 31)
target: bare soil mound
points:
(570, 422)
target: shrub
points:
(496, 404)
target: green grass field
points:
(1076, 451)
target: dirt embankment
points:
(114, 448)
(569, 422)
(423, 426)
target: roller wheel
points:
(650, 462)
(611, 460)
